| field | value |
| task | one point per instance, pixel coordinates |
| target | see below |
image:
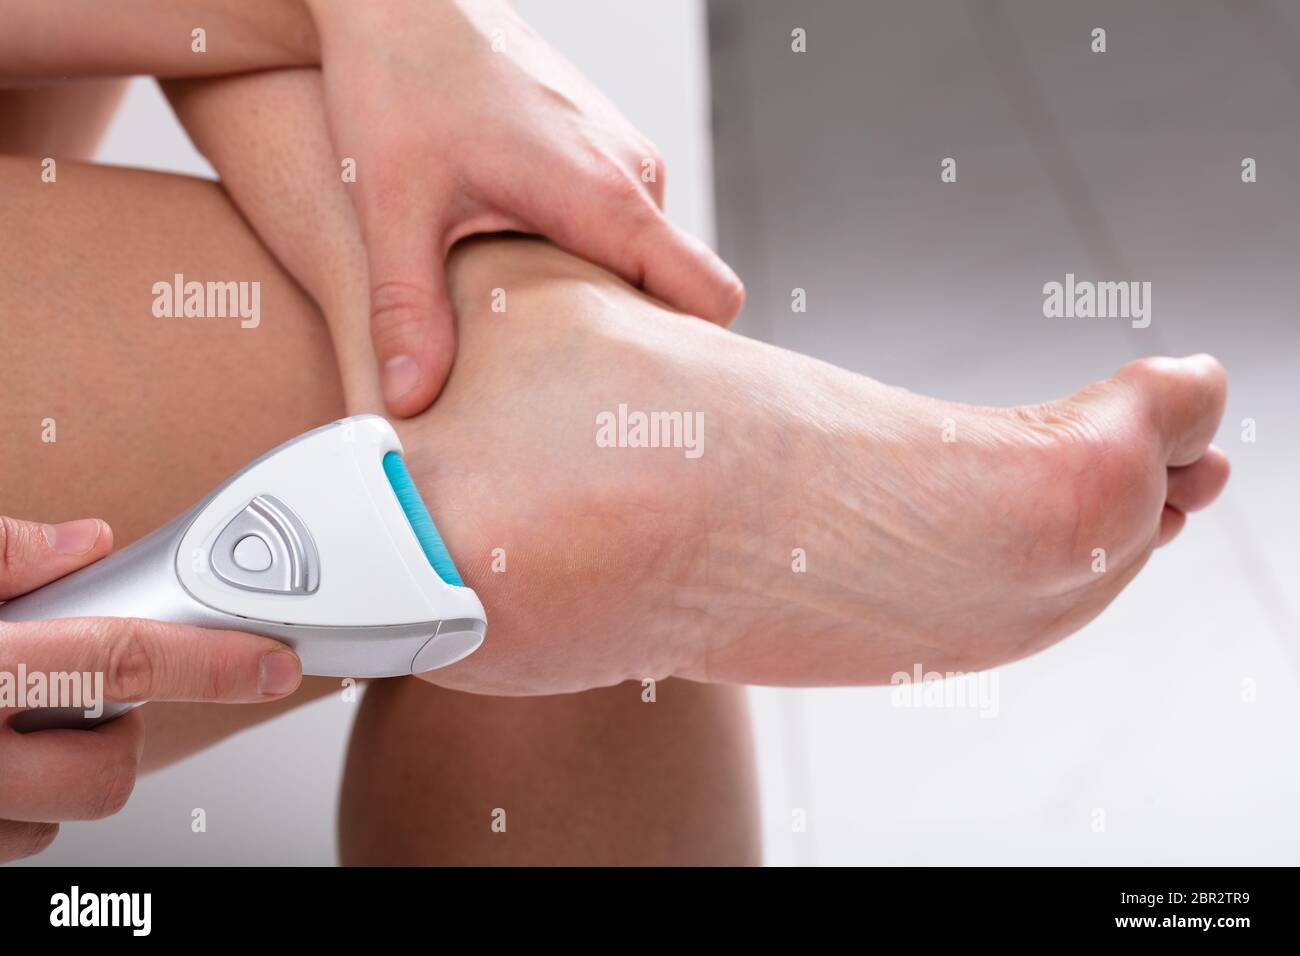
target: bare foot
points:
(832, 530)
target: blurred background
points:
(1160, 734)
(1170, 720)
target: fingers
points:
(1193, 487)
(33, 554)
(414, 335)
(149, 660)
(1184, 399)
(411, 321)
(70, 774)
(685, 273)
(628, 235)
(654, 184)
(21, 840)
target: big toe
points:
(1182, 398)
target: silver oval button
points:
(252, 553)
(266, 547)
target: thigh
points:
(108, 410)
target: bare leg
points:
(601, 778)
(150, 413)
(823, 528)
(953, 535)
(630, 562)
(413, 791)
(60, 120)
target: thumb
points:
(33, 554)
(683, 271)
(638, 242)
(411, 321)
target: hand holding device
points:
(48, 777)
(323, 544)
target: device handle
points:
(124, 584)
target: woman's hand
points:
(460, 121)
(58, 775)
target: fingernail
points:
(73, 537)
(281, 673)
(401, 374)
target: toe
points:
(1183, 399)
(1192, 487)
(1171, 522)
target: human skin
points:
(62, 120)
(607, 777)
(83, 38)
(643, 542)
(1006, 518)
(147, 421)
(958, 555)
(603, 775)
(634, 563)
(49, 777)
(612, 553)
(158, 412)
(461, 120)
(449, 112)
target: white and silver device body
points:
(314, 544)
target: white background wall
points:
(1123, 166)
